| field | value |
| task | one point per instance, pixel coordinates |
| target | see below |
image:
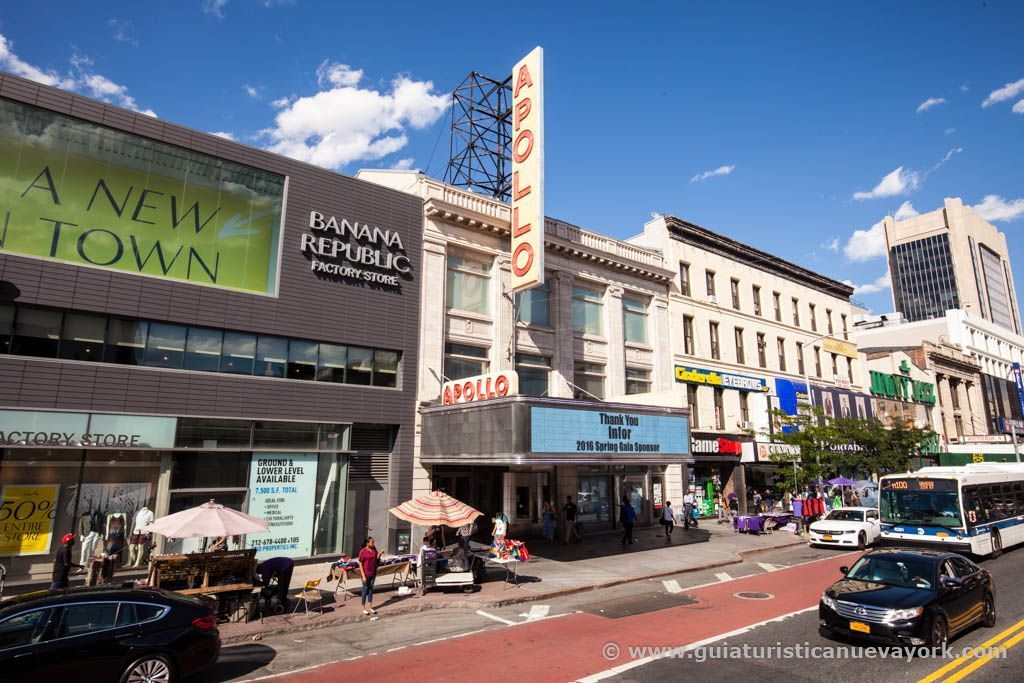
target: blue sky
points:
(797, 106)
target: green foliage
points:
(845, 446)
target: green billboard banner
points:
(89, 196)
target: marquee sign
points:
(719, 379)
(480, 388)
(719, 446)
(528, 171)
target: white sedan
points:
(856, 527)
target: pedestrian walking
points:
(723, 509)
(62, 563)
(369, 558)
(499, 528)
(465, 533)
(769, 500)
(668, 519)
(627, 515)
(570, 513)
(547, 515)
(787, 501)
(689, 504)
(757, 501)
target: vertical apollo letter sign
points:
(528, 171)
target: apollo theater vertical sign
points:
(528, 171)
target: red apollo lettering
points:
(517, 229)
(523, 251)
(468, 392)
(501, 385)
(523, 108)
(519, 192)
(457, 391)
(524, 80)
(446, 399)
(518, 155)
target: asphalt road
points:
(565, 639)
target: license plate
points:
(826, 538)
(858, 626)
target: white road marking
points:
(722, 576)
(503, 620)
(770, 567)
(537, 612)
(672, 586)
(622, 668)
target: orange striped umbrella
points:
(437, 507)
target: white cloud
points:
(344, 123)
(899, 181)
(404, 164)
(79, 77)
(339, 75)
(251, 91)
(224, 134)
(721, 170)
(831, 245)
(950, 131)
(282, 102)
(880, 284)
(1019, 107)
(929, 103)
(1007, 92)
(123, 31)
(865, 245)
(214, 7)
(905, 211)
(995, 208)
(964, 88)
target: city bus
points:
(976, 509)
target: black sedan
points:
(909, 597)
(105, 634)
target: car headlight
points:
(828, 602)
(901, 614)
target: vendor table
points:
(752, 524)
(511, 575)
(398, 572)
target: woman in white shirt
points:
(498, 532)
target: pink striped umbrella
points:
(437, 507)
(211, 520)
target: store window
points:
(238, 353)
(757, 300)
(828, 319)
(589, 381)
(800, 358)
(684, 279)
(796, 311)
(203, 349)
(534, 374)
(165, 346)
(82, 337)
(292, 436)
(302, 359)
(719, 408)
(468, 285)
(463, 360)
(385, 369)
(817, 361)
(271, 357)
(36, 333)
(533, 307)
(738, 336)
(777, 304)
(709, 282)
(734, 288)
(634, 320)
(744, 407)
(782, 353)
(586, 311)
(716, 352)
(360, 366)
(762, 351)
(638, 381)
(594, 498)
(688, 345)
(331, 363)
(201, 432)
(835, 365)
(814, 318)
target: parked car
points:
(857, 527)
(909, 597)
(105, 634)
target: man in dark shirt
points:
(280, 567)
(62, 564)
(570, 511)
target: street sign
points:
(1020, 386)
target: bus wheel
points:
(997, 544)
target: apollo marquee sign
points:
(355, 251)
(528, 171)
(480, 388)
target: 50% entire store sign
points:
(26, 518)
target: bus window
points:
(972, 506)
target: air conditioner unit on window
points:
(746, 425)
(712, 299)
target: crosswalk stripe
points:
(722, 576)
(769, 567)
(672, 586)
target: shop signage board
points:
(719, 446)
(984, 438)
(767, 451)
(126, 204)
(355, 251)
(568, 430)
(282, 491)
(902, 388)
(713, 378)
(40, 428)
(480, 388)
(26, 518)
(1008, 425)
(528, 171)
(837, 346)
(1019, 381)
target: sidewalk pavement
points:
(553, 570)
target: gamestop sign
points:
(480, 388)
(528, 171)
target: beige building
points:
(746, 328)
(951, 258)
(597, 330)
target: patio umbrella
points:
(436, 507)
(866, 484)
(207, 520)
(841, 481)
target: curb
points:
(314, 623)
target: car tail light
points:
(206, 623)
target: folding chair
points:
(310, 594)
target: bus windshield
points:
(922, 502)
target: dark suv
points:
(909, 597)
(105, 634)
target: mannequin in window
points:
(140, 540)
(89, 538)
(115, 537)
